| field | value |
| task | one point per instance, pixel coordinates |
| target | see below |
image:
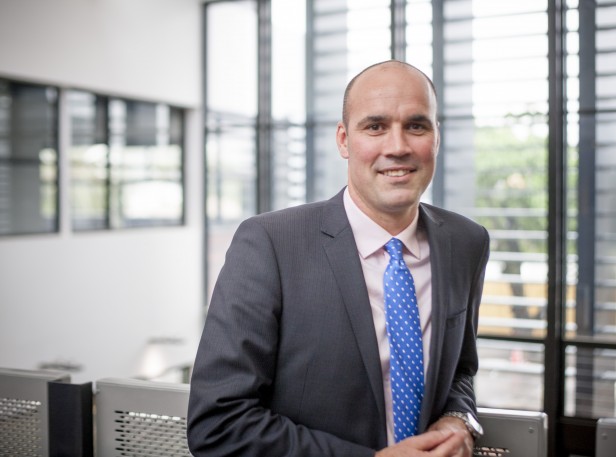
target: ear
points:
(341, 140)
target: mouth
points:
(397, 173)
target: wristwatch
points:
(474, 427)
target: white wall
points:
(137, 48)
(96, 299)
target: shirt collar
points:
(371, 237)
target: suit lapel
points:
(341, 251)
(439, 240)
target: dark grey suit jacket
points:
(288, 363)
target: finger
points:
(454, 445)
(428, 440)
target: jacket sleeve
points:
(462, 396)
(234, 372)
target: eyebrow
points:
(420, 118)
(373, 119)
(378, 118)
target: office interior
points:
(136, 135)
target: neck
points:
(394, 225)
(393, 221)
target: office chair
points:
(606, 437)
(24, 411)
(138, 418)
(511, 433)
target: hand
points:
(444, 442)
(456, 425)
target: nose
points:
(397, 141)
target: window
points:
(230, 123)
(590, 314)
(527, 150)
(89, 156)
(288, 141)
(28, 158)
(494, 128)
(346, 36)
(126, 162)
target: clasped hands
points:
(447, 437)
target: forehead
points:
(391, 87)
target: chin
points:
(401, 206)
(402, 199)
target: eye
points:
(374, 127)
(417, 128)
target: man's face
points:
(391, 142)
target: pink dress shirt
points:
(370, 239)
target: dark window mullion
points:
(264, 104)
(398, 29)
(107, 140)
(309, 94)
(438, 78)
(585, 293)
(557, 229)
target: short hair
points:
(347, 91)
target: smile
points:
(396, 173)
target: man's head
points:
(389, 135)
(345, 109)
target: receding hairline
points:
(393, 62)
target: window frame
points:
(566, 434)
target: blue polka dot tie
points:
(405, 344)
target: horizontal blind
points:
(605, 281)
(494, 154)
(591, 314)
(347, 36)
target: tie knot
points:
(394, 248)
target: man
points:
(297, 353)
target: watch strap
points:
(475, 430)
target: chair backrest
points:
(135, 418)
(606, 437)
(512, 433)
(24, 411)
